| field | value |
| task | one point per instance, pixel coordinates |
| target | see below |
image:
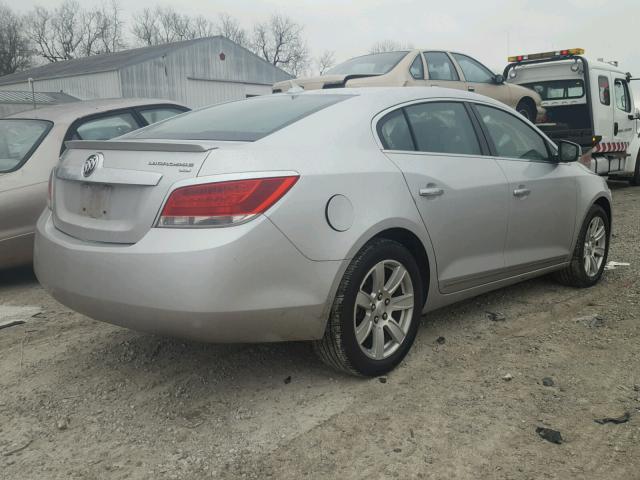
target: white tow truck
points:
(588, 102)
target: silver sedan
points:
(337, 216)
(30, 144)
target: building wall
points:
(197, 75)
(84, 87)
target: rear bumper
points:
(246, 283)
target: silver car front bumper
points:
(246, 283)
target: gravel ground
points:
(82, 399)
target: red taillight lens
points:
(50, 189)
(223, 203)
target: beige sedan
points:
(32, 141)
(423, 68)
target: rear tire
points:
(583, 272)
(635, 180)
(527, 109)
(374, 317)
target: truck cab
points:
(588, 102)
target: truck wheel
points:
(590, 253)
(635, 180)
(527, 109)
(376, 311)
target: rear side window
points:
(18, 140)
(244, 120)
(394, 132)
(440, 67)
(417, 69)
(473, 70)
(107, 127)
(512, 137)
(623, 101)
(157, 114)
(603, 88)
(443, 127)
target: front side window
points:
(394, 132)
(18, 140)
(558, 89)
(473, 70)
(417, 69)
(440, 66)
(373, 64)
(106, 128)
(157, 114)
(623, 101)
(443, 127)
(243, 120)
(512, 137)
(603, 88)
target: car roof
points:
(380, 98)
(69, 112)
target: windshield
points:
(18, 140)
(374, 64)
(558, 89)
(244, 120)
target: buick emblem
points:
(90, 164)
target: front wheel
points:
(527, 110)
(376, 312)
(591, 251)
(635, 180)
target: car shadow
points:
(17, 276)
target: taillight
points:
(223, 203)
(50, 189)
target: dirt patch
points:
(81, 399)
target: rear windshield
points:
(374, 64)
(18, 140)
(558, 89)
(245, 120)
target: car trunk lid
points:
(112, 191)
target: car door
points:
(460, 192)
(441, 72)
(623, 126)
(480, 79)
(542, 199)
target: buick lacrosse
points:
(336, 216)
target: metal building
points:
(192, 72)
(19, 101)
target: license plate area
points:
(95, 200)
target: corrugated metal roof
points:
(102, 63)
(41, 98)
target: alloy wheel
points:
(384, 309)
(595, 243)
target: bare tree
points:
(202, 27)
(325, 61)
(280, 41)
(145, 27)
(71, 31)
(14, 46)
(389, 46)
(230, 28)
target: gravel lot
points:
(82, 399)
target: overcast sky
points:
(488, 30)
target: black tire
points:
(339, 348)
(527, 109)
(575, 274)
(635, 180)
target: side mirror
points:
(635, 115)
(568, 151)
(498, 79)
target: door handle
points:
(615, 128)
(431, 192)
(471, 89)
(521, 192)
